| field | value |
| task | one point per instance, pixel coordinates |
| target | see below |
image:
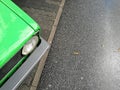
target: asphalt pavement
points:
(85, 54)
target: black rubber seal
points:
(11, 63)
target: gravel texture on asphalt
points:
(85, 54)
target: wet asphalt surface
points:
(85, 54)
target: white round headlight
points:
(30, 45)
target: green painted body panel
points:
(16, 28)
(21, 14)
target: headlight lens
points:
(30, 45)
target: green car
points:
(19, 37)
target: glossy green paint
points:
(16, 28)
(21, 14)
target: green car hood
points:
(21, 14)
(14, 30)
